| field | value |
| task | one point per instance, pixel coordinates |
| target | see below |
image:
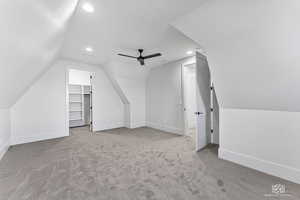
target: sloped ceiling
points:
(253, 51)
(119, 26)
(32, 33)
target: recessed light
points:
(89, 49)
(88, 7)
(189, 52)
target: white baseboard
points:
(3, 149)
(138, 125)
(108, 126)
(271, 168)
(168, 129)
(37, 137)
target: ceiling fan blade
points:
(152, 55)
(126, 56)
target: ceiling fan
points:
(141, 58)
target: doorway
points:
(197, 105)
(189, 84)
(79, 99)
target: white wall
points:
(108, 109)
(79, 77)
(41, 113)
(4, 131)
(254, 66)
(164, 99)
(132, 81)
(264, 140)
(245, 46)
(135, 90)
(32, 33)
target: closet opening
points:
(79, 99)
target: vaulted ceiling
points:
(32, 33)
(252, 45)
(124, 26)
(253, 51)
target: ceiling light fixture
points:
(189, 52)
(89, 49)
(88, 7)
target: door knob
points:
(198, 113)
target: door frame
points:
(92, 75)
(198, 145)
(183, 98)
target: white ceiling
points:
(252, 45)
(125, 26)
(32, 32)
(253, 51)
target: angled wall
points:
(123, 97)
(253, 60)
(41, 113)
(252, 49)
(32, 33)
(131, 81)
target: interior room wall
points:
(131, 79)
(135, 90)
(32, 33)
(4, 131)
(267, 141)
(164, 107)
(108, 108)
(255, 73)
(41, 113)
(123, 97)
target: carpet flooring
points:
(123, 164)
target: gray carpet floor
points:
(123, 164)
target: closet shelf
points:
(74, 93)
(75, 119)
(77, 105)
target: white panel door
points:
(203, 120)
